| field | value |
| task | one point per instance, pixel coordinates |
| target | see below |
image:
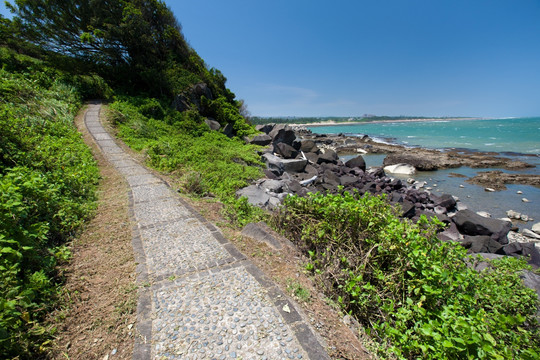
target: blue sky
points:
(392, 57)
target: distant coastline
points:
(339, 123)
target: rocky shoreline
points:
(299, 162)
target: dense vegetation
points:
(47, 180)
(411, 291)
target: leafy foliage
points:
(182, 143)
(137, 44)
(47, 189)
(409, 289)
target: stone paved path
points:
(201, 298)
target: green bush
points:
(410, 290)
(89, 87)
(183, 143)
(48, 180)
(226, 113)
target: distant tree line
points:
(259, 120)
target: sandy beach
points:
(340, 123)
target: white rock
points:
(434, 185)
(506, 219)
(530, 234)
(484, 214)
(361, 151)
(439, 210)
(419, 185)
(429, 188)
(460, 206)
(516, 237)
(513, 214)
(404, 169)
(410, 181)
(461, 186)
(489, 189)
(536, 228)
(524, 217)
(525, 200)
(519, 192)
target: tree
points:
(134, 37)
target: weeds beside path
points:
(100, 293)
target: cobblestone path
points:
(200, 298)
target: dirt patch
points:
(97, 316)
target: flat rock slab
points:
(199, 297)
(261, 233)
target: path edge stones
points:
(308, 339)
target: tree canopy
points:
(138, 41)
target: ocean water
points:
(516, 138)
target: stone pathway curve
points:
(200, 298)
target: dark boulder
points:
(396, 197)
(192, 97)
(531, 280)
(451, 232)
(408, 209)
(331, 178)
(396, 184)
(329, 156)
(348, 180)
(470, 223)
(446, 201)
(282, 134)
(296, 144)
(311, 170)
(308, 146)
(481, 244)
(255, 195)
(312, 157)
(265, 128)
(287, 151)
(356, 162)
(261, 140)
(228, 130)
(375, 173)
(271, 174)
(280, 165)
(212, 124)
(527, 250)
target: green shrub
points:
(410, 290)
(48, 180)
(182, 143)
(226, 113)
(89, 87)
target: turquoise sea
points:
(512, 137)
